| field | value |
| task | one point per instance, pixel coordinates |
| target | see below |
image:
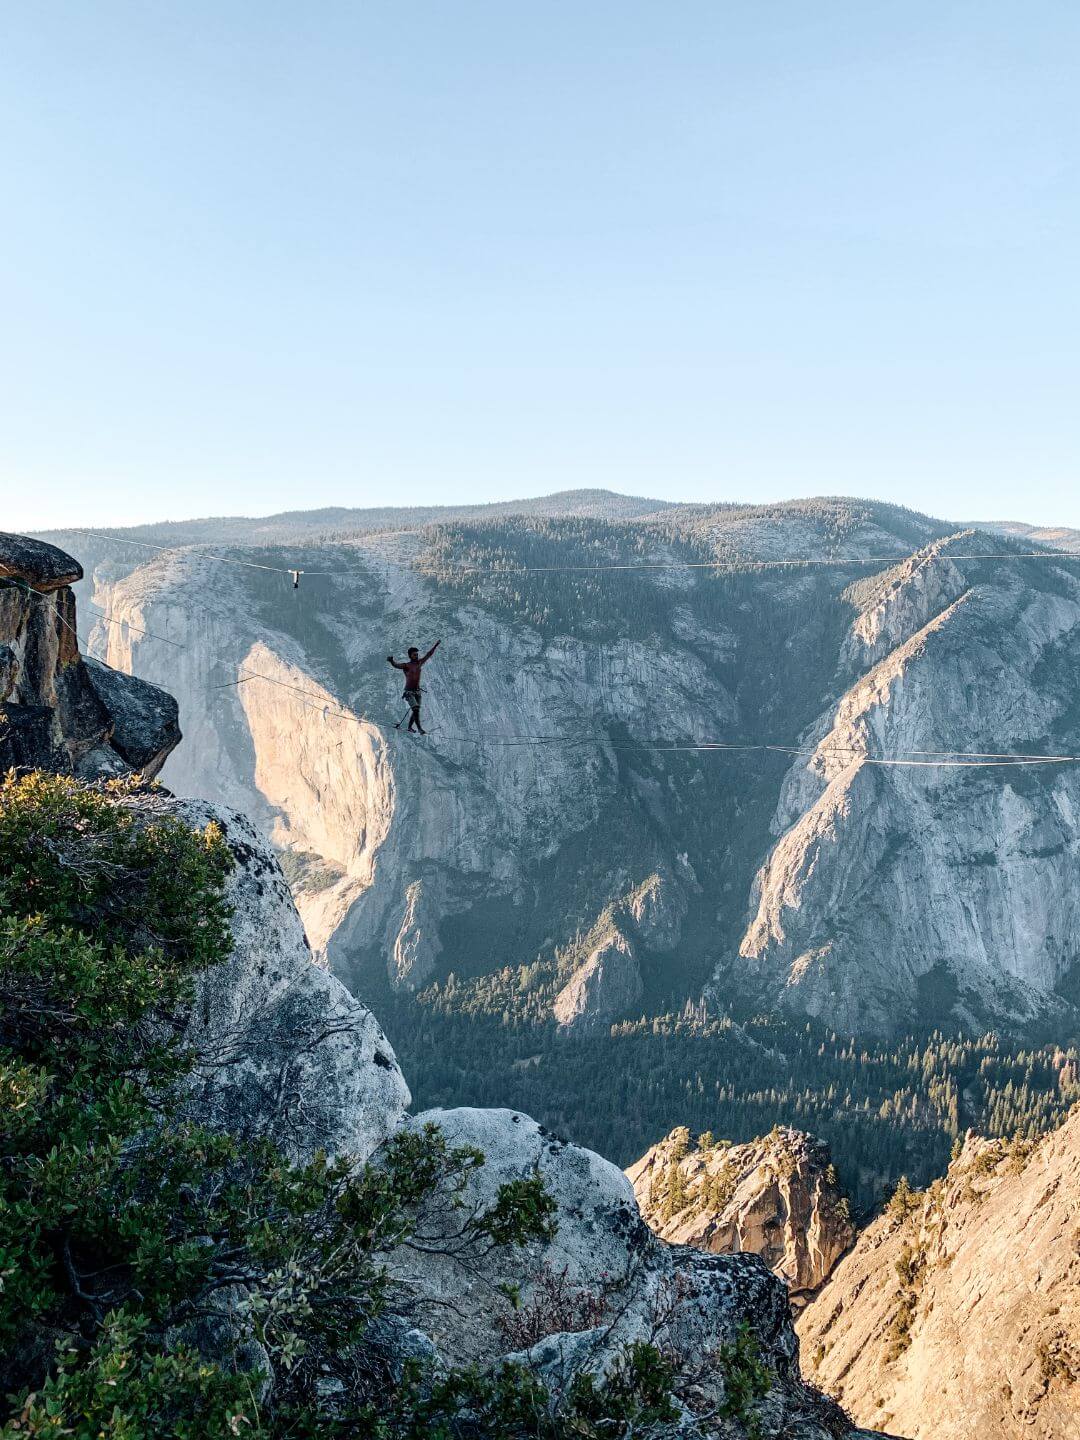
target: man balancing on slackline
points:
(411, 693)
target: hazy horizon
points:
(468, 502)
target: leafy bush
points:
(747, 1379)
(555, 1305)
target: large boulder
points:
(145, 718)
(42, 566)
(601, 1237)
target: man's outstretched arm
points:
(431, 652)
(396, 663)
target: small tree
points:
(680, 1143)
(905, 1201)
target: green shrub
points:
(717, 1190)
(680, 1143)
(747, 1379)
(911, 1271)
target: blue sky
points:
(258, 255)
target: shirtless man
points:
(412, 668)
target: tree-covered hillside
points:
(886, 1109)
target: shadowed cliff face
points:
(548, 790)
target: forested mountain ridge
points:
(1055, 537)
(336, 521)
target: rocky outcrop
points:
(693, 1305)
(606, 983)
(657, 909)
(145, 718)
(777, 1197)
(601, 1237)
(284, 1049)
(605, 986)
(898, 604)
(417, 946)
(958, 1311)
(34, 562)
(56, 712)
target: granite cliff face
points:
(535, 784)
(958, 1312)
(777, 1197)
(287, 1050)
(899, 893)
(872, 895)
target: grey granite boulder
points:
(698, 1308)
(145, 718)
(43, 567)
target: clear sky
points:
(258, 255)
